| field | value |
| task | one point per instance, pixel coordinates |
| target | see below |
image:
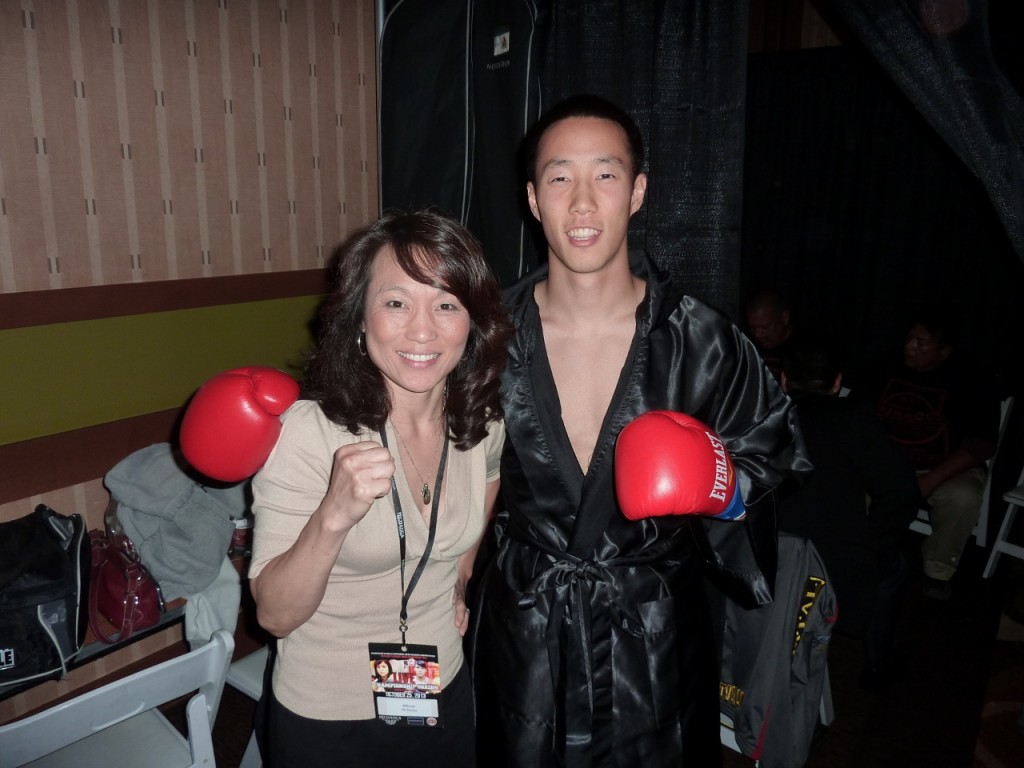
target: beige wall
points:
(149, 144)
(161, 140)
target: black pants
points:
(300, 742)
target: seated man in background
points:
(770, 326)
(944, 415)
(855, 507)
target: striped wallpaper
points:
(163, 159)
(146, 140)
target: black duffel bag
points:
(44, 587)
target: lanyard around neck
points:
(403, 616)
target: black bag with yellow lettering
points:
(44, 580)
(774, 689)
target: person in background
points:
(370, 507)
(855, 507)
(770, 325)
(944, 415)
(593, 639)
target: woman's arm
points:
(465, 566)
(290, 587)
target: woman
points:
(371, 506)
(381, 675)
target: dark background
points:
(770, 163)
(858, 212)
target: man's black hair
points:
(770, 298)
(582, 105)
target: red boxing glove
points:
(668, 463)
(232, 423)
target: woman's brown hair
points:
(436, 250)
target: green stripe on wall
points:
(66, 376)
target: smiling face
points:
(585, 193)
(415, 333)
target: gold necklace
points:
(425, 489)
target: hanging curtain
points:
(859, 213)
(679, 67)
(458, 86)
(424, 106)
(938, 52)
(505, 80)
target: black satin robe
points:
(593, 644)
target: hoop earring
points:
(361, 343)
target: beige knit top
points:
(323, 666)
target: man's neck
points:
(591, 298)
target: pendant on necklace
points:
(425, 493)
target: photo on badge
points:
(406, 684)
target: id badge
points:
(406, 684)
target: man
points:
(946, 420)
(422, 681)
(860, 543)
(770, 324)
(594, 644)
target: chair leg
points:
(1001, 545)
(251, 758)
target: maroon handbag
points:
(121, 589)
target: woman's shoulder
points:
(302, 409)
(492, 444)
(307, 417)
(304, 414)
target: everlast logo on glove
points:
(722, 474)
(668, 463)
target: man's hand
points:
(668, 463)
(461, 610)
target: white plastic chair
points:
(1014, 499)
(119, 725)
(246, 675)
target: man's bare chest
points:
(586, 373)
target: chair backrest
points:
(1006, 409)
(201, 671)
